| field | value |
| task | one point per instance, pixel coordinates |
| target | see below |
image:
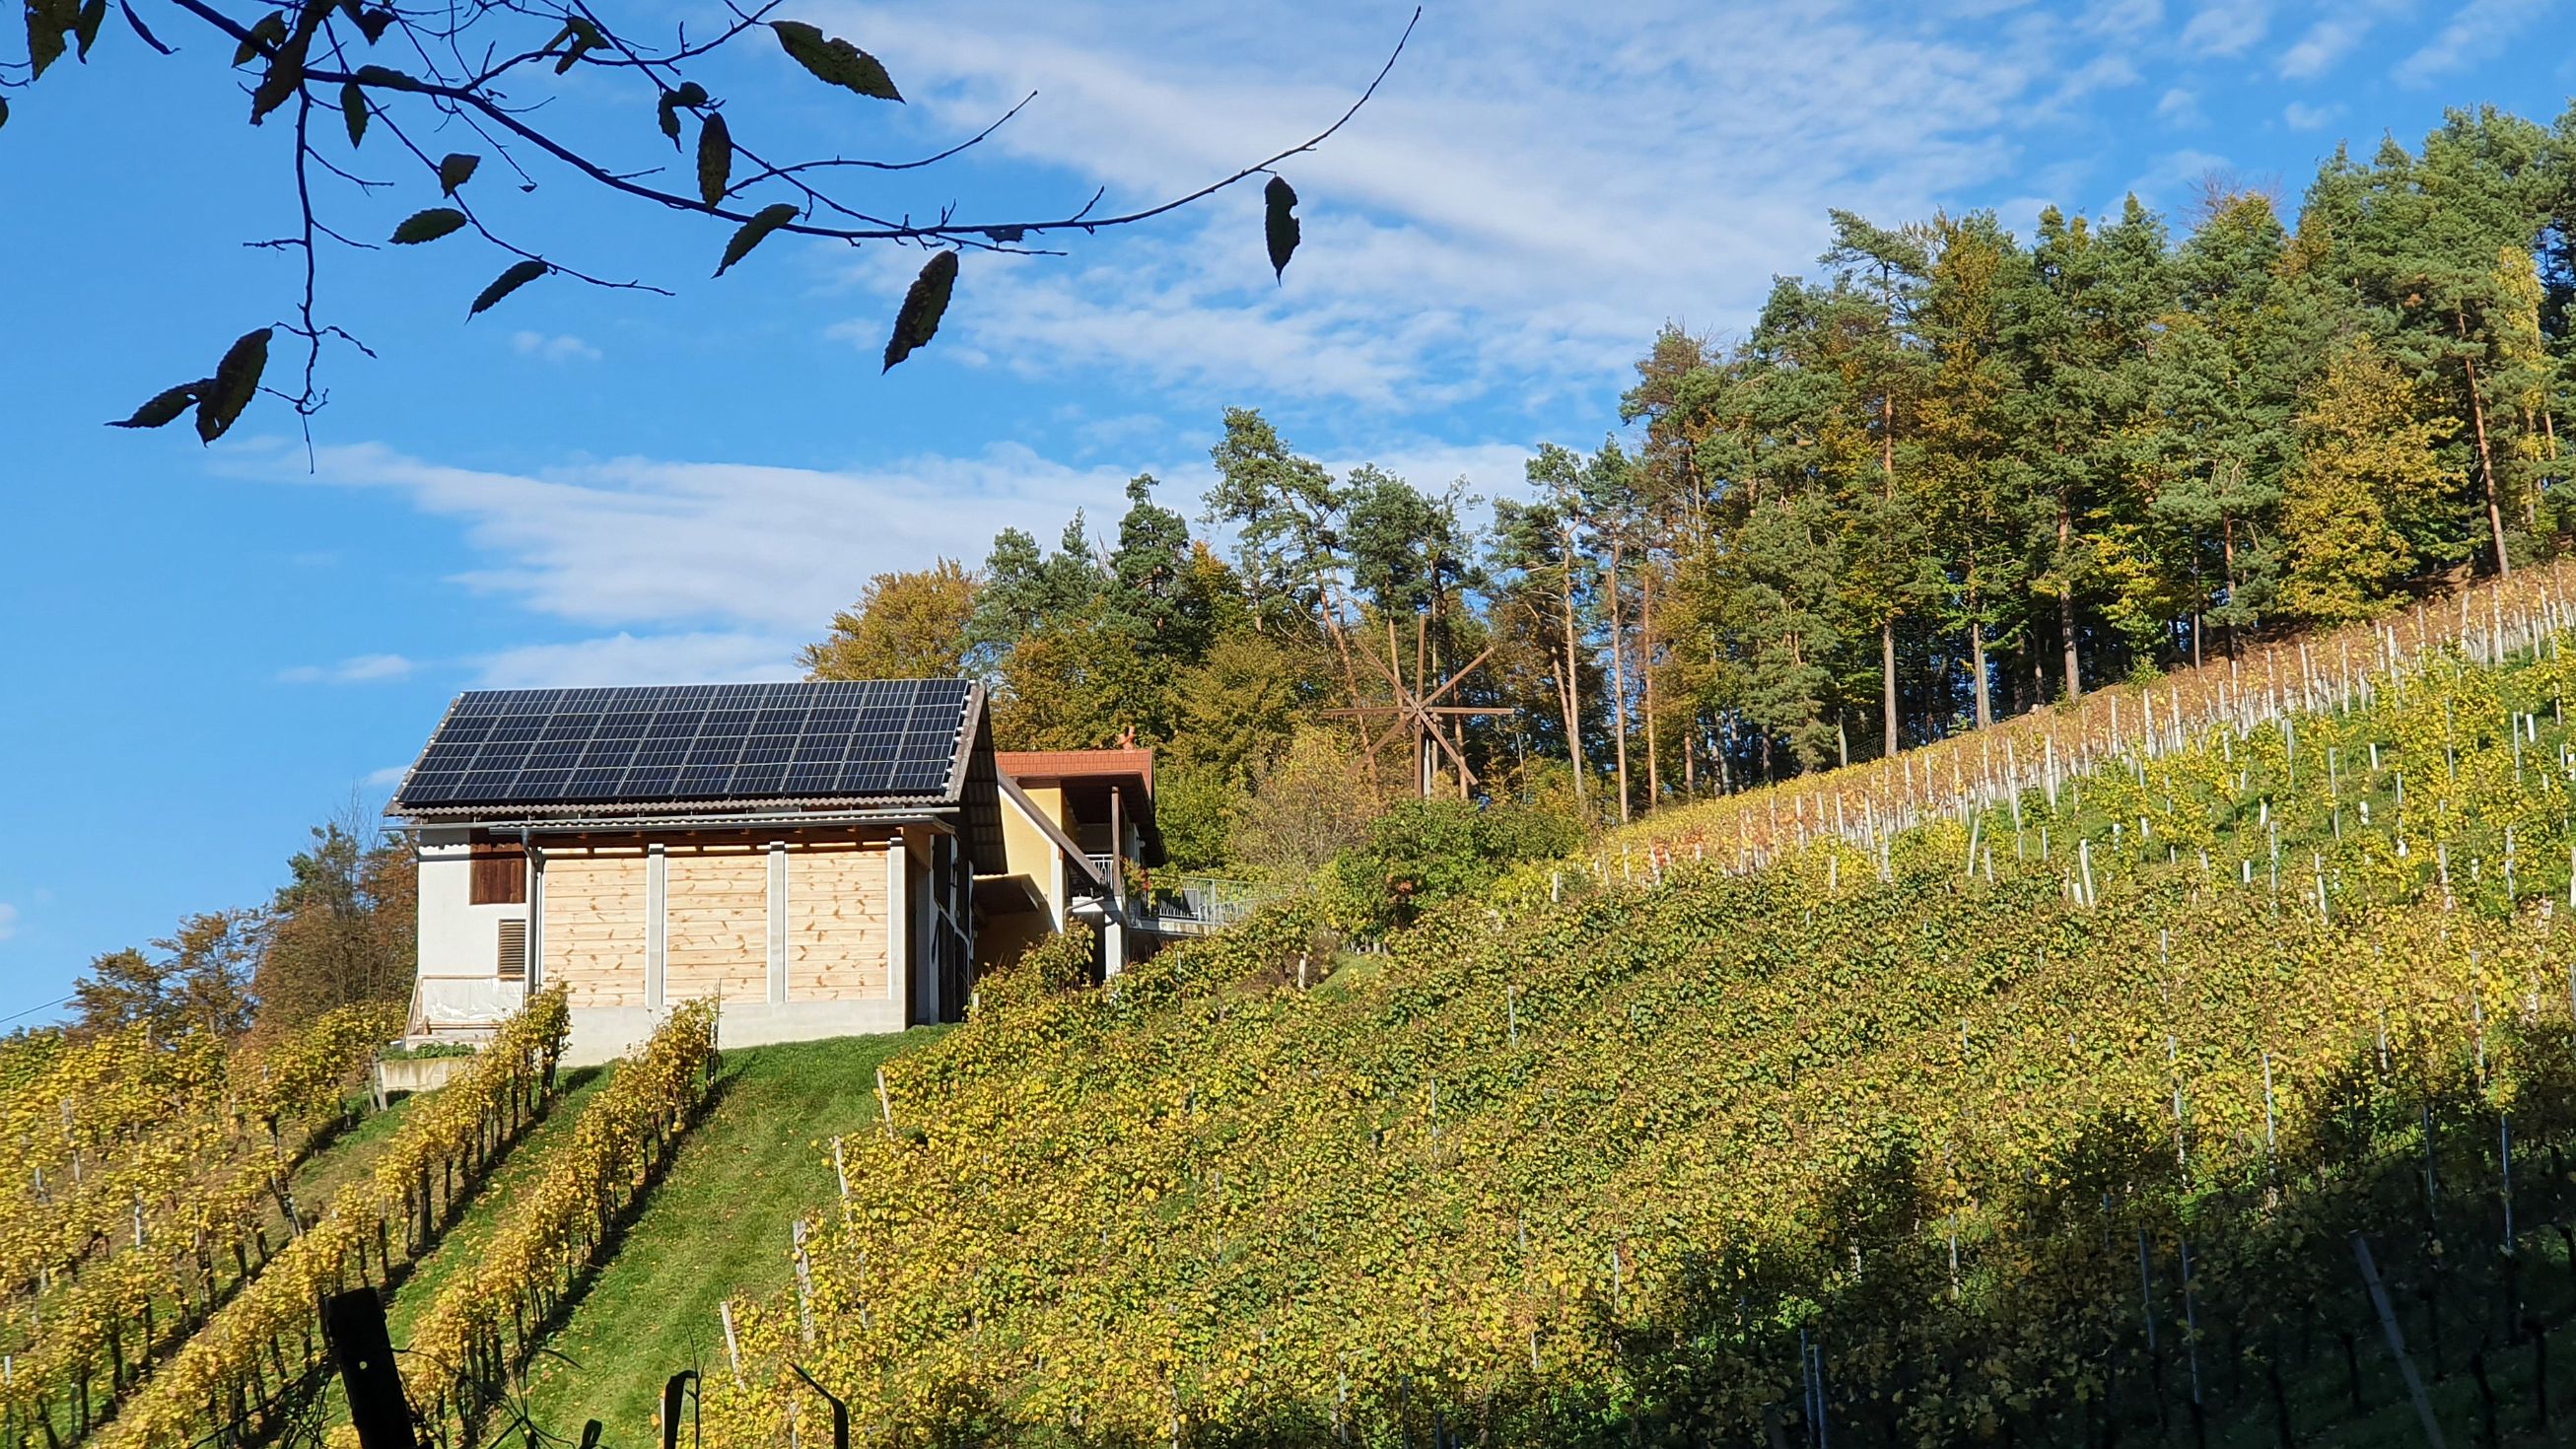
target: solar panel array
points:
(543, 748)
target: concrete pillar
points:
(898, 928)
(656, 938)
(777, 921)
(535, 975)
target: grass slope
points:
(716, 1226)
(1652, 1164)
(490, 1205)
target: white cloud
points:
(8, 920)
(386, 778)
(2300, 116)
(552, 349)
(2178, 107)
(2226, 29)
(2478, 32)
(641, 544)
(357, 669)
(652, 659)
(2323, 44)
(1535, 188)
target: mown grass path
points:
(716, 1227)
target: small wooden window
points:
(500, 876)
(513, 964)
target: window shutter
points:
(514, 951)
(500, 876)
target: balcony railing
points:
(1199, 905)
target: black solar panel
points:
(554, 748)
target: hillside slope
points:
(2039, 1121)
(715, 1226)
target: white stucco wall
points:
(456, 938)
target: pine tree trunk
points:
(1887, 685)
(2066, 602)
(1573, 675)
(1646, 672)
(1977, 663)
(2227, 552)
(1618, 686)
(2486, 458)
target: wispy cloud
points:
(2321, 45)
(631, 542)
(2300, 116)
(2479, 31)
(2226, 29)
(1507, 218)
(552, 349)
(2178, 107)
(386, 778)
(8, 920)
(650, 659)
(357, 669)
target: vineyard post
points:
(804, 1283)
(733, 1348)
(2396, 1341)
(885, 1105)
(841, 1173)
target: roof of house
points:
(1108, 768)
(709, 750)
(1051, 766)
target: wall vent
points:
(514, 950)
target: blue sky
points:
(206, 650)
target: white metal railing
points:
(1199, 905)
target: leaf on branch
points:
(165, 406)
(235, 383)
(4, 110)
(715, 158)
(584, 37)
(835, 60)
(924, 303)
(266, 34)
(285, 77)
(428, 226)
(690, 94)
(48, 22)
(141, 29)
(1006, 233)
(1279, 225)
(374, 23)
(769, 219)
(385, 77)
(455, 169)
(92, 15)
(353, 109)
(519, 275)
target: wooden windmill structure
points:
(1417, 709)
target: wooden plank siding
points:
(836, 924)
(715, 907)
(594, 925)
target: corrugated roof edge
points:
(394, 800)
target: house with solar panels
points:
(825, 858)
